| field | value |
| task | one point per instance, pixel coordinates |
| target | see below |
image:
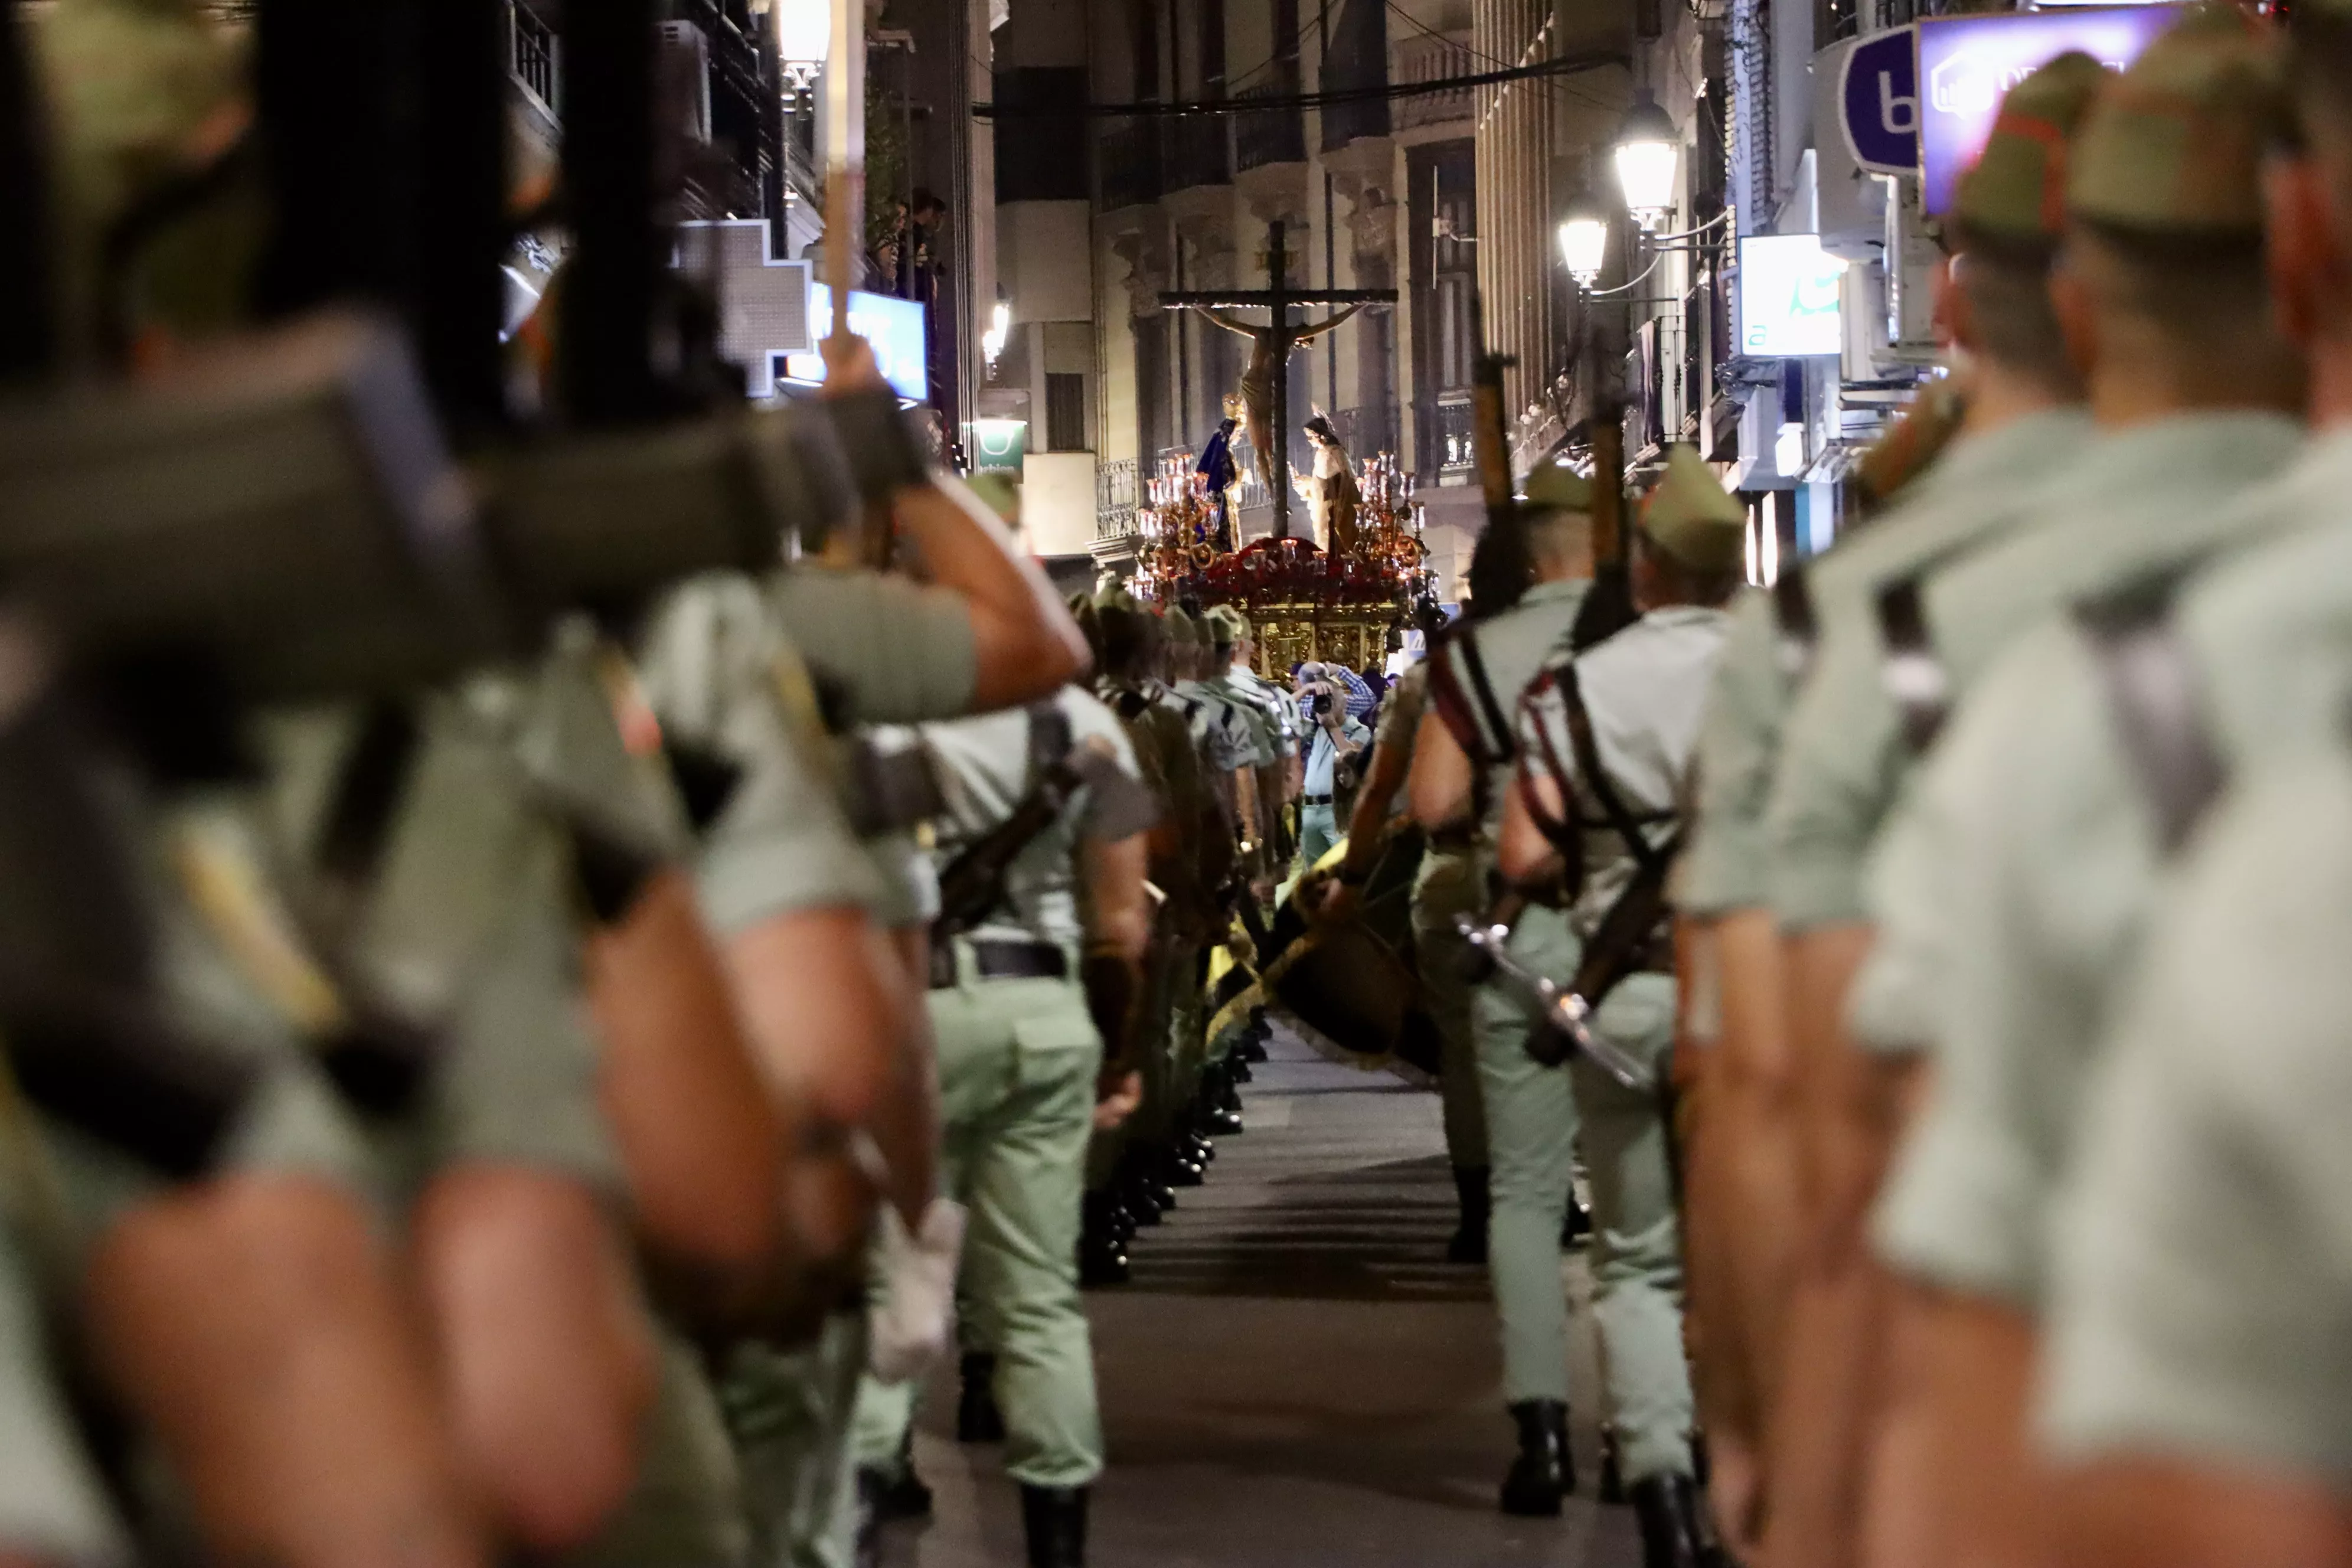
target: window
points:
(1065, 412)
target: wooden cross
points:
(1282, 336)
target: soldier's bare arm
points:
(1440, 779)
(1024, 643)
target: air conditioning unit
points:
(682, 77)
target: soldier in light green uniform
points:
(1229, 756)
(2163, 296)
(1813, 1290)
(1606, 745)
(1022, 1059)
(1462, 762)
(2192, 1382)
(2009, 897)
(1446, 883)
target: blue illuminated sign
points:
(1968, 64)
(1878, 103)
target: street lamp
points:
(1647, 145)
(804, 39)
(1584, 241)
(1000, 328)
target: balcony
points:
(1132, 166)
(1269, 136)
(531, 57)
(1198, 153)
(1433, 59)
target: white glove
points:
(908, 1325)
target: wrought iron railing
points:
(1198, 152)
(1425, 58)
(1131, 164)
(531, 53)
(1115, 498)
(1268, 136)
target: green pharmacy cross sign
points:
(997, 445)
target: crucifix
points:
(1266, 384)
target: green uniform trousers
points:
(1448, 884)
(1018, 1061)
(687, 1506)
(1532, 1122)
(792, 1414)
(1318, 829)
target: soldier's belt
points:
(998, 959)
(1566, 1018)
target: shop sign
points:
(997, 445)
(1878, 103)
(1967, 64)
(1789, 297)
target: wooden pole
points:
(1278, 283)
(845, 154)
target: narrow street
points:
(1295, 1377)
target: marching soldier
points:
(1607, 738)
(2008, 897)
(1033, 995)
(2162, 301)
(1447, 883)
(1778, 957)
(2183, 1392)
(1462, 767)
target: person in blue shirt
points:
(1336, 738)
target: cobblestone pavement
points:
(1295, 1377)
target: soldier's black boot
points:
(1102, 1255)
(978, 1420)
(1543, 1473)
(903, 1494)
(1053, 1519)
(1667, 1507)
(1184, 1165)
(1147, 1195)
(1576, 1226)
(1220, 1103)
(1469, 1242)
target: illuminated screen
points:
(894, 326)
(1787, 297)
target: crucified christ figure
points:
(1271, 344)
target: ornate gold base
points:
(1286, 635)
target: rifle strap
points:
(1561, 832)
(1627, 931)
(1054, 777)
(1913, 674)
(1796, 621)
(2153, 694)
(1621, 819)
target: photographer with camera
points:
(1337, 739)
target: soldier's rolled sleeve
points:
(2044, 871)
(1120, 804)
(475, 920)
(2203, 1264)
(894, 651)
(1833, 786)
(709, 666)
(1724, 869)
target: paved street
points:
(1295, 1376)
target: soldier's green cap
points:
(1114, 596)
(2176, 145)
(1180, 626)
(2016, 190)
(1000, 494)
(1226, 625)
(1687, 515)
(1551, 487)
